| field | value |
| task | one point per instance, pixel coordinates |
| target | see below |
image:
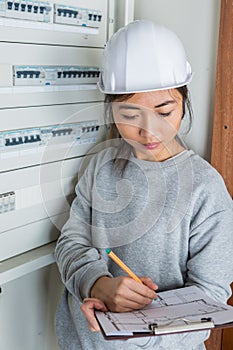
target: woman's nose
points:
(148, 125)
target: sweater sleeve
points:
(210, 265)
(80, 264)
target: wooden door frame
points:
(222, 142)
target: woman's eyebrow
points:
(129, 106)
(165, 103)
(125, 106)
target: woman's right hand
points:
(121, 294)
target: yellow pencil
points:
(122, 265)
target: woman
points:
(161, 208)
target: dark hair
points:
(112, 132)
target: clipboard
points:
(176, 311)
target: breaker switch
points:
(9, 5)
(7, 142)
(23, 7)
(16, 4)
(42, 9)
(29, 8)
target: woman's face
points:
(149, 122)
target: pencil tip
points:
(108, 250)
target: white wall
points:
(196, 22)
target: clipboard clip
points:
(184, 326)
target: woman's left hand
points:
(88, 307)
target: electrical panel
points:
(39, 163)
(31, 145)
(33, 214)
(43, 74)
(67, 22)
(34, 146)
(48, 12)
(51, 112)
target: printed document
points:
(177, 310)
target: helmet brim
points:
(134, 91)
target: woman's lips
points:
(151, 145)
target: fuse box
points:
(70, 22)
(51, 112)
(48, 75)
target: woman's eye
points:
(165, 114)
(129, 117)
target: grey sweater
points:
(171, 220)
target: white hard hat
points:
(143, 56)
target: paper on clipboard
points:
(177, 310)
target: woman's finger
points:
(88, 307)
(148, 282)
